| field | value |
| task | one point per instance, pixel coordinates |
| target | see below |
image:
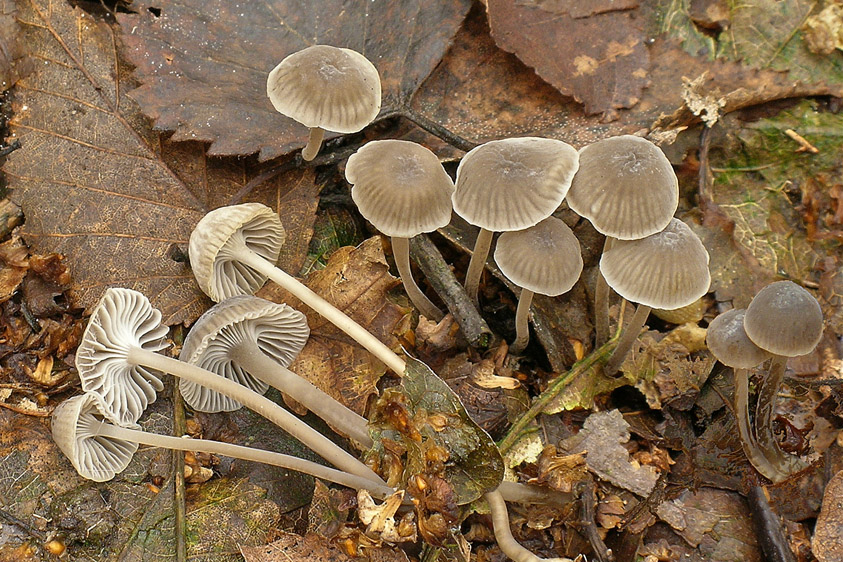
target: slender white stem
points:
(401, 251)
(314, 143)
(529, 494)
(522, 324)
(322, 307)
(250, 358)
(317, 442)
(753, 452)
(245, 453)
(477, 264)
(601, 303)
(630, 334)
(503, 534)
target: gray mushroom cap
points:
(278, 330)
(664, 270)
(728, 342)
(95, 457)
(328, 87)
(122, 318)
(512, 184)
(544, 258)
(400, 187)
(784, 319)
(213, 257)
(625, 186)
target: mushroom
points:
(99, 450)
(117, 356)
(503, 534)
(325, 88)
(786, 321)
(627, 188)
(667, 270)
(403, 190)
(510, 184)
(252, 341)
(728, 342)
(544, 259)
(233, 251)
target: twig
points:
(439, 275)
(589, 508)
(804, 145)
(433, 128)
(706, 178)
(768, 528)
(24, 411)
(557, 385)
(12, 520)
(9, 149)
(179, 428)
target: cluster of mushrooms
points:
(624, 185)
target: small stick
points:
(589, 509)
(768, 528)
(804, 145)
(440, 276)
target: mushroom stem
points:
(529, 494)
(522, 326)
(630, 334)
(601, 303)
(314, 143)
(477, 264)
(503, 534)
(320, 444)
(254, 361)
(401, 251)
(785, 463)
(322, 307)
(357, 482)
(754, 454)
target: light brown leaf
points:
(827, 543)
(98, 184)
(313, 548)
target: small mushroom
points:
(252, 341)
(510, 184)
(233, 251)
(118, 351)
(627, 188)
(99, 450)
(403, 190)
(325, 88)
(786, 321)
(666, 270)
(503, 534)
(544, 259)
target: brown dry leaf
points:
(602, 438)
(356, 281)
(313, 548)
(98, 185)
(13, 63)
(561, 472)
(14, 264)
(204, 76)
(827, 543)
(598, 58)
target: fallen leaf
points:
(355, 280)
(601, 438)
(13, 258)
(598, 58)
(13, 62)
(313, 548)
(827, 543)
(98, 185)
(206, 79)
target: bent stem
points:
(250, 358)
(401, 251)
(764, 413)
(601, 302)
(503, 534)
(246, 453)
(522, 324)
(263, 406)
(314, 143)
(477, 264)
(754, 454)
(322, 307)
(628, 337)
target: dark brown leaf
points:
(98, 185)
(205, 78)
(313, 548)
(13, 63)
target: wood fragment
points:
(804, 145)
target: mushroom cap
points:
(400, 187)
(123, 318)
(784, 319)
(217, 239)
(95, 457)
(625, 186)
(329, 87)
(278, 330)
(512, 184)
(664, 270)
(728, 342)
(544, 258)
